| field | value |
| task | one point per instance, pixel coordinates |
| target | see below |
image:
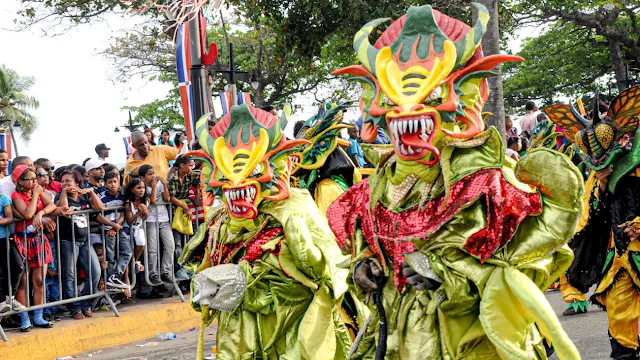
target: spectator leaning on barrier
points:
(76, 226)
(180, 181)
(31, 204)
(158, 227)
(115, 234)
(136, 210)
(156, 156)
(53, 185)
(15, 266)
(96, 175)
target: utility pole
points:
(198, 73)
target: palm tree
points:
(15, 104)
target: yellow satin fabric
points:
(289, 309)
(326, 193)
(569, 292)
(618, 292)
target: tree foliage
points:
(564, 60)
(15, 104)
(162, 114)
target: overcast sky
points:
(79, 105)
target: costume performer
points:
(454, 242)
(605, 145)
(269, 272)
(591, 241)
(325, 169)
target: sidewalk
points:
(68, 337)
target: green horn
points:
(202, 132)
(468, 45)
(365, 52)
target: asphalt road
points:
(588, 331)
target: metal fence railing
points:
(82, 256)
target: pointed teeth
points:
(394, 130)
(410, 126)
(410, 150)
(241, 193)
(405, 125)
(415, 125)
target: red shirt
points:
(27, 200)
(54, 186)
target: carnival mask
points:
(423, 79)
(247, 160)
(600, 140)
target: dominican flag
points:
(127, 145)
(183, 64)
(5, 144)
(226, 101)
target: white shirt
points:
(528, 122)
(163, 215)
(7, 187)
(510, 152)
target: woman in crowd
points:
(75, 247)
(165, 139)
(31, 204)
(178, 141)
(150, 135)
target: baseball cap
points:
(101, 147)
(93, 164)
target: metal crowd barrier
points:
(95, 296)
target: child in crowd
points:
(75, 246)
(115, 234)
(136, 211)
(354, 150)
(31, 204)
(158, 227)
(512, 147)
(99, 249)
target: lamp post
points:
(131, 127)
(233, 76)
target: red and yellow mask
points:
(246, 160)
(423, 79)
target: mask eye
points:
(257, 171)
(604, 134)
(435, 94)
(387, 101)
(580, 143)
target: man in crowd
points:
(157, 156)
(529, 121)
(4, 163)
(103, 152)
(53, 186)
(96, 176)
(270, 109)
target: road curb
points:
(137, 322)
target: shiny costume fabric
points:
(497, 241)
(619, 290)
(289, 307)
(589, 244)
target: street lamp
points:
(131, 127)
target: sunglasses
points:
(41, 175)
(50, 168)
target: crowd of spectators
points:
(97, 221)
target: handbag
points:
(182, 221)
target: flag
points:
(127, 144)
(183, 65)
(226, 101)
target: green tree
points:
(565, 60)
(15, 104)
(162, 114)
(616, 22)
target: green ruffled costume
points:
(289, 308)
(482, 310)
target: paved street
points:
(589, 333)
